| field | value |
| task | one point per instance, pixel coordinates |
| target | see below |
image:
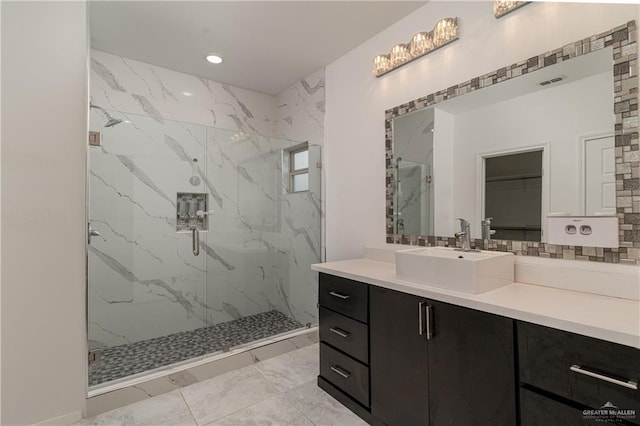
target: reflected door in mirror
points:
(513, 195)
(599, 175)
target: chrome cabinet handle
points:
(340, 332)
(340, 371)
(630, 384)
(429, 330)
(338, 295)
(420, 319)
(195, 241)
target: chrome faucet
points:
(487, 232)
(464, 236)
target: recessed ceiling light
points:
(214, 59)
(187, 93)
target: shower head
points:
(110, 120)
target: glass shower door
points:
(146, 279)
(160, 292)
(265, 237)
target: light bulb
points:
(214, 59)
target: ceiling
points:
(267, 46)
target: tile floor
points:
(125, 360)
(280, 391)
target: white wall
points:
(443, 173)
(356, 100)
(44, 132)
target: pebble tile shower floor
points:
(125, 360)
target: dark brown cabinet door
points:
(564, 364)
(471, 368)
(398, 359)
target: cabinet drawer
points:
(350, 336)
(345, 373)
(579, 368)
(348, 297)
(537, 410)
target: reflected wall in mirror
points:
(553, 135)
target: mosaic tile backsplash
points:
(623, 40)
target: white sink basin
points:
(466, 272)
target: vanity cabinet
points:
(439, 364)
(396, 359)
(567, 372)
(344, 342)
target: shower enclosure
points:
(199, 241)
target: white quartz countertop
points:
(608, 318)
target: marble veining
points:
(140, 175)
(223, 395)
(293, 369)
(148, 108)
(106, 75)
(240, 103)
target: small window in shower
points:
(297, 159)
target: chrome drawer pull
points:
(340, 332)
(338, 295)
(341, 371)
(629, 384)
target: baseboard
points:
(64, 420)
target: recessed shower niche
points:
(191, 211)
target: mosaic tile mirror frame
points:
(623, 40)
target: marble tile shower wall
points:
(144, 280)
(300, 116)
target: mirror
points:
(521, 150)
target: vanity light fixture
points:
(381, 65)
(502, 7)
(420, 44)
(214, 59)
(399, 55)
(444, 32)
